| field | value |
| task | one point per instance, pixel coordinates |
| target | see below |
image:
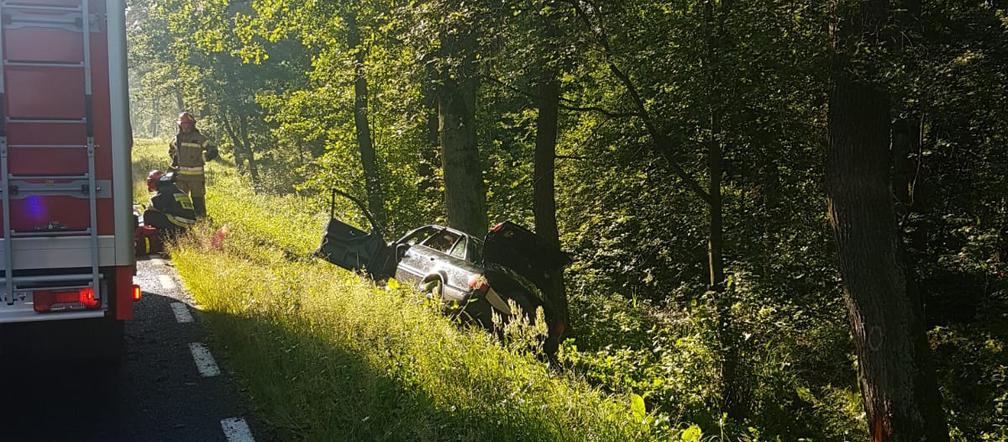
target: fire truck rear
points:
(67, 255)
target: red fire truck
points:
(67, 255)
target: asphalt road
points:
(166, 387)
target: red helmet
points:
(186, 117)
(152, 179)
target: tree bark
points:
(253, 167)
(429, 158)
(905, 139)
(369, 157)
(465, 191)
(733, 396)
(179, 100)
(232, 133)
(898, 385)
(544, 191)
(155, 117)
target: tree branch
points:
(662, 143)
(570, 157)
(563, 106)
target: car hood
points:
(522, 251)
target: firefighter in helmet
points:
(189, 152)
(171, 210)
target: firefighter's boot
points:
(199, 206)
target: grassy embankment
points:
(325, 355)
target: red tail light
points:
(44, 300)
(479, 283)
(87, 298)
(497, 228)
(137, 293)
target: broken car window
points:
(459, 251)
(442, 242)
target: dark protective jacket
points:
(189, 152)
(173, 203)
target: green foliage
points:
(281, 74)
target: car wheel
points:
(434, 289)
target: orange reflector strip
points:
(137, 293)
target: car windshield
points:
(419, 235)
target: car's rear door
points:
(457, 269)
(432, 258)
(415, 262)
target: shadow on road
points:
(152, 392)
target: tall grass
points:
(325, 355)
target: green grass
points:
(325, 355)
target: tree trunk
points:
(155, 116)
(732, 389)
(369, 158)
(732, 400)
(429, 156)
(232, 133)
(179, 100)
(465, 192)
(898, 385)
(253, 167)
(905, 139)
(544, 191)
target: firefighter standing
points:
(189, 152)
(171, 210)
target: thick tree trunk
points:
(898, 385)
(369, 157)
(465, 192)
(544, 191)
(897, 381)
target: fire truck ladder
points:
(75, 18)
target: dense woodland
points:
(789, 219)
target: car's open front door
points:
(353, 248)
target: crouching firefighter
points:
(189, 153)
(171, 210)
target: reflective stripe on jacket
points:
(187, 150)
(174, 204)
(190, 170)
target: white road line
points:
(182, 314)
(167, 282)
(204, 360)
(237, 430)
